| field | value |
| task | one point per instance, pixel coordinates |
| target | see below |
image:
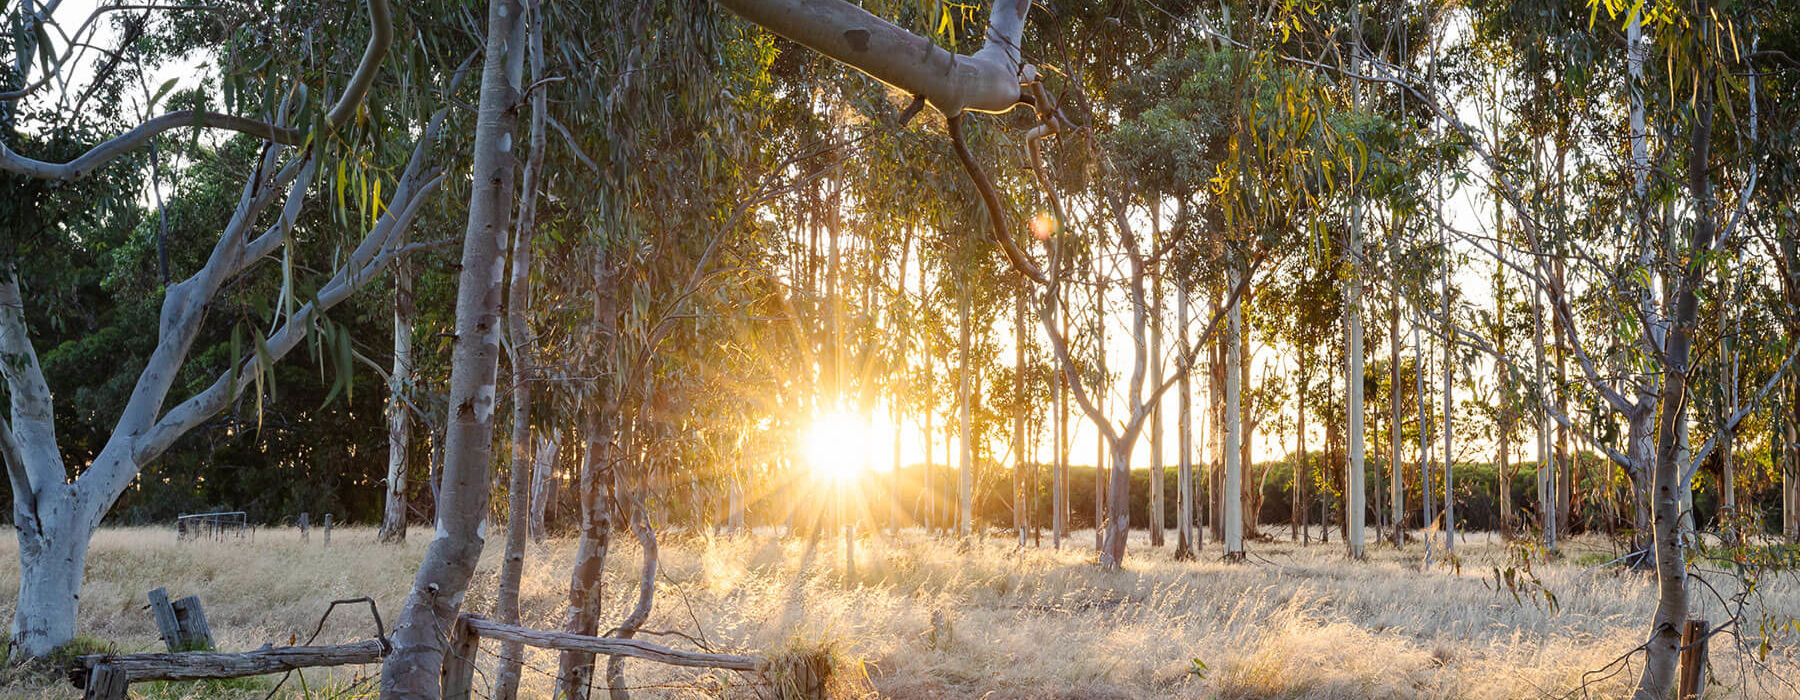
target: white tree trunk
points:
(575, 669)
(1354, 475)
(1184, 475)
(965, 455)
(1020, 520)
(412, 670)
(53, 547)
(393, 517)
(1354, 499)
(55, 514)
(1396, 474)
(543, 470)
(523, 345)
(1449, 414)
(1233, 492)
(1155, 519)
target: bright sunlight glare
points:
(837, 445)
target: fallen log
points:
(196, 665)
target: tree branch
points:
(987, 81)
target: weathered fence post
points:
(106, 683)
(328, 529)
(166, 622)
(303, 535)
(459, 660)
(181, 623)
(191, 620)
(1693, 659)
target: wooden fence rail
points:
(459, 666)
(115, 671)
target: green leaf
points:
(162, 91)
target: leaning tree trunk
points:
(421, 630)
(617, 689)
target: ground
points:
(920, 619)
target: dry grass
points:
(919, 619)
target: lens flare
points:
(837, 445)
(1042, 226)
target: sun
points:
(837, 445)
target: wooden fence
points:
(107, 676)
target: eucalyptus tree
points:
(1698, 46)
(303, 138)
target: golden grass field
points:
(1291, 622)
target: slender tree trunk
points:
(1427, 501)
(901, 322)
(1641, 441)
(543, 471)
(930, 493)
(1663, 648)
(1059, 486)
(617, 687)
(1156, 379)
(1546, 473)
(1184, 475)
(1565, 469)
(1354, 476)
(393, 517)
(1790, 463)
(1449, 421)
(1354, 503)
(1302, 468)
(1156, 506)
(1504, 458)
(575, 669)
(1215, 445)
(412, 669)
(965, 491)
(1100, 386)
(1233, 486)
(1449, 405)
(1396, 480)
(518, 328)
(1020, 520)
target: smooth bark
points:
(424, 621)
(523, 347)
